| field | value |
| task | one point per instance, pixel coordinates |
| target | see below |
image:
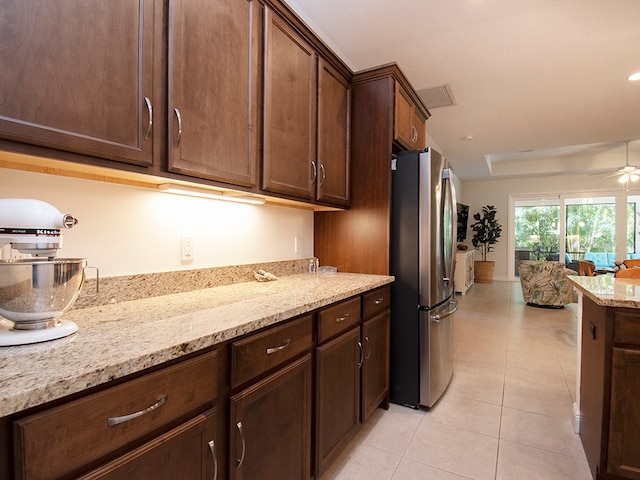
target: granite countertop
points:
(123, 338)
(608, 291)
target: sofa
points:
(604, 260)
(545, 284)
(601, 259)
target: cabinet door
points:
(592, 379)
(403, 131)
(334, 107)
(375, 368)
(214, 80)
(188, 451)
(289, 151)
(270, 436)
(419, 133)
(624, 429)
(337, 396)
(76, 75)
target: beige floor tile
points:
(480, 417)
(410, 470)
(517, 461)
(477, 382)
(362, 461)
(394, 429)
(535, 376)
(540, 431)
(454, 450)
(538, 399)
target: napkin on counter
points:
(263, 276)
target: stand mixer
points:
(35, 291)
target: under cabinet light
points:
(212, 194)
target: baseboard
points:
(577, 418)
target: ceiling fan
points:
(628, 172)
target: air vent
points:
(435, 97)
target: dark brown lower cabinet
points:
(624, 430)
(338, 364)
(188, 451)
(270, 436)
(609, 391)
(375, 367)
(592, 382)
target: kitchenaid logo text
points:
(37, 232)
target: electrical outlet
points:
(297, 244)
(187, 249)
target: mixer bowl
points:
(35, 292)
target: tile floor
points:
(507, 413)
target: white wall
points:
(127, 230)
(496, 192)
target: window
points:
(537, 230)
(569, 228)
(591, 226)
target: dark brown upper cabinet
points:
(334, 114)
(77, 76)
(214, 89)
(289, 151)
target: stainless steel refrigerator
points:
(423, 235)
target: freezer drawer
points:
(436, 352)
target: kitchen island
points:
(609, 375)
(122, 341)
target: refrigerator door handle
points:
(451, 311)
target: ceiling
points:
(540, 85)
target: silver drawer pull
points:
(111, 421)
(212, 447)
(241, 459)
(281, 347)
(379, 301)
(343, 318)
(179, 117)
(150, 125)
(361, 355)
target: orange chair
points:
(628, 273)
(630, 263)
(586, 268)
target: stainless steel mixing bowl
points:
(35, 292)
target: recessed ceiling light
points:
(634, 76)
(468, 137)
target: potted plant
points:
(486, 231)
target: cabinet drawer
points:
(65, 438)
(627, 328)
(338, 318)
(260, 352)
(376, 301)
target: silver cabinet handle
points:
(150, 110)
(342, 318)
(315, 172)
(179, 117)
(323, 174)
(281, 347)
(414, 134)
(379, 301)
(361, 355)
(369, 344)
(241, 459)
(125, 418)
(212, 447)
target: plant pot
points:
(483, 271)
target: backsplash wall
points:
(126, 230)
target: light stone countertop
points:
(124, 338)
(608, 291)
